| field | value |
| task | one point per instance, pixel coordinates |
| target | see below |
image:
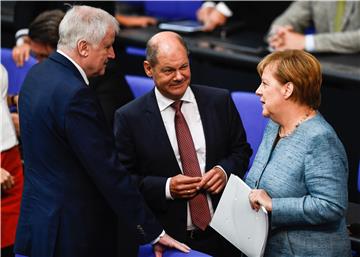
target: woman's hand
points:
(258, 198)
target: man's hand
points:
(167, 241)
(7, 181)
(213, 181)
(203, 13)
(21, 54)
(210, 17)
(182, 186)
(136, 21)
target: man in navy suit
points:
(75, 186)
(147, 142)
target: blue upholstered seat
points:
(250, 109)
(16, 74)
(139, 85)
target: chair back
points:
(16, 74)
(139, 85)
(358, 175)
(250, 110)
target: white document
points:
(236, 221)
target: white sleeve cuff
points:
(309, 43)
(19, 36)
(224, 9)
(208, 4)
(218, 166)
(158, 238)
(21, 33)
(167, 190)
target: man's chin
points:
(178, 93)
(100, 73)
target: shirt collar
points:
(165, 102)
(82, 72)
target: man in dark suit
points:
(75, 186)
(149, 145)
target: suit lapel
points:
(59, 58)
(157, 128)
(207, 121)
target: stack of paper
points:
(182, 26)
(236, 221)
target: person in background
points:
(300, 170)
(214, 14)
(26, 11)
(43, 34)
(11, 173)
(76, 189)
(181, 142)
(336, 24)
(112, 89)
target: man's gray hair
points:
(87, 23)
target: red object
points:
(199, 207)
(10, 199)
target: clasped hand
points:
(210, 18)
(182, 186)
(284, 37)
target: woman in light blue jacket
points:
(300, 171)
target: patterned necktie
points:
(340, 9)
(199, 207)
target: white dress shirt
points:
(309, 43)
(8, 134)
(191, 114)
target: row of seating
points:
(247, 104)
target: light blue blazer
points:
(306, 176)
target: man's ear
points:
(148, 69)
(288, 90)
(83, 48)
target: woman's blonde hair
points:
(300, 68)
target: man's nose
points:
(179, 76)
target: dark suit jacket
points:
(146, 151)
(75, 186)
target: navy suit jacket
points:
(146, 151)
(75, 186)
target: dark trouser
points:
(211, 243)
(7, 251)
